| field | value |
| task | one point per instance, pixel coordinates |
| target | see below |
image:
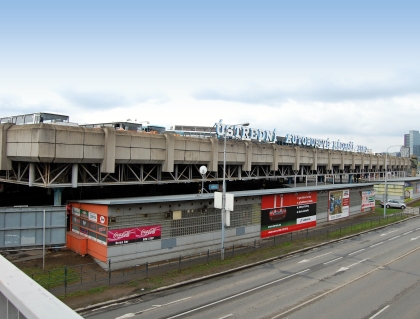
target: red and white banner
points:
(133, 235)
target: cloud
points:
(318, 90)
(109, 100)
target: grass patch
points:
(51, 278)
(379, 211)
(90, 291)
(415, 204)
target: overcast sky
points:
(347, 70)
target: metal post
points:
(222, 250)
(223, 211)
(65, 280)
(109, 272)
(385, 185)
(386, 176)
(43, 242)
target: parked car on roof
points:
(394, 204)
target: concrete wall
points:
(132, 254)
(70, 144)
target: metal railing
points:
(20, 297)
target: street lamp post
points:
(386, 176)
(223, 211)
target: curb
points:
(187, 282)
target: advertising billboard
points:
(368, 200)
(338, 204)
(133, 235)
(283, 213)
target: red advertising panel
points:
(283, 213)
(133, 235)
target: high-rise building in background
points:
(412, 140)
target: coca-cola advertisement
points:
(133, 235)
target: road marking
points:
(379, 312)
(227, 316)
(357, 251)
(343, 285)
(392, 231)
(239, 294)
(348, 267)
(408, 232)
(377, 244)
(332, 260)
(306, 260)
(131, 314)
(392, 238)
(414, 238)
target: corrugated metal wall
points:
(23, 226)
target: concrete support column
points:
(168, 164)
(57, 196)
(362, 166)
(296, 164)
(275, 163)
(330, 166)
(74, 175)
(353, 161)
(248, 157)
(31, 174)
(314, 166)
(5, 163)
(214, 156)
(370, 162)
(108, 164)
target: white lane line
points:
(343, 285)
(306, 260)
(392, 231)
(348, 267)
(227, 316)
(239, 294)
(376, 244)
(392, 238)
(379, 312)
(408, 232)
(131, 314)
(357, 251)
(326, 263)
(414, 238)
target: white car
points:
(394, 204)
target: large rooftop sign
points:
(325, 144)
(244, 133)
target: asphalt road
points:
(375, 275)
